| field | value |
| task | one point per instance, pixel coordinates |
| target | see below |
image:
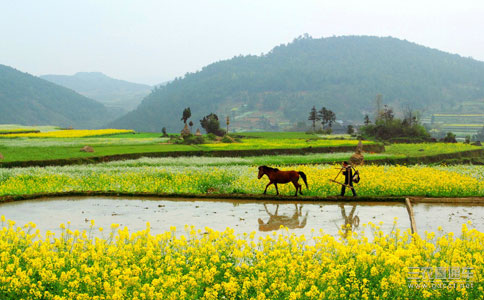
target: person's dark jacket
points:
(348, 173)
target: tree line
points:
(389, 128)
(210, 123)
(326, 116)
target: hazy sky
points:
(154, 41)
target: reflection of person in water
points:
(275, 221)
(351, 221)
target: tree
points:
(350, 130)
(387, 115)
(449, 138)
(331, 118)
(191, 125)
(211, 124)
(410, 117)
(313, 116)
(163, 130)
(388, 128)
(327, 117)
(322, 116)
(186, 115)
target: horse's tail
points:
(305, 179)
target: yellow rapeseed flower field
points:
(376, 180)
(207, 264)
(263, 143)
(74, 133)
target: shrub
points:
(192, 139)
(394, 129)
(227, 139)
(211, 136)
(449, 138)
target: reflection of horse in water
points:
(275, 221)
(351, 221)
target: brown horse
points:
(277, 176)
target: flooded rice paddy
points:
(243, 216)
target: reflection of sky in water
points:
(242, 216)
(450, 217)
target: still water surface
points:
(243, 216)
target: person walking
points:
(348, 173)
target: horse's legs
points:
(267, 187)
(296, 214)
(277, 190)
(300, 210)
(297, 186)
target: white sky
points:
(155, 41)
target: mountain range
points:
(272, 91)
(113, 93)
(344, 74)
(29, 100)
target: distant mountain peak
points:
(90, 74)
(115, 93)
(29, 100)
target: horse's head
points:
(261, 172)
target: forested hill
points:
(111, 92)
(29, 100)
(342, 73)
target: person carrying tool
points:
(348, 174)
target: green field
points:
(34, 149)
(46, 149)
(418, 150)
(292, 135)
